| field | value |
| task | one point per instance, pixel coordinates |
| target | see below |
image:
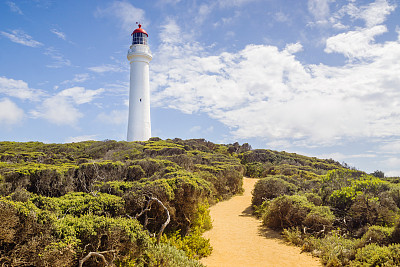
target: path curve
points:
(239, 239)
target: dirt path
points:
(238, 239)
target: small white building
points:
(139, 56)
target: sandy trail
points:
(238, 239)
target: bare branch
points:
(97, 254)
(160, 232)
(148, 208)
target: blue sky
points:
(317, 77)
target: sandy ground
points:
(239, 239)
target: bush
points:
(319, 219)
(166, 255)
(336, 180)
(287, 211)
(98, 233)
(294, 236)
(367, 210)
(195, 246)
(396, 233)
(375, 255)
(333, 249)
(379, 235)
(78, 203)
(296, 211)
(135, 172)
(271, 187)
(314, 198)
(25, 232)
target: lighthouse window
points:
(139, 38)
(140, 100)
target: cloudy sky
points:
(317, 77)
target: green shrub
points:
(256, 169)
(336, 180)
(320, 218)
(375, 255)
(166, 255)
(202, 218)
(98, 233)
(294, 236)
(135, 173)
(271, 187)
(296, 211)
(368, 210)
(314, 198)
(395, 237)
(25, 232)
(78, 203)
(379, 235)
(333, 249)
(287, 211)
(195, 246)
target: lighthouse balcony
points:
(139, 48)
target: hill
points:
(146, 203)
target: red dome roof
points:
(140, 30)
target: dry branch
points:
(97, 254)
(148, 208)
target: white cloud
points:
(10, 113)
(391, 147)
(20, 37)
(78, 78)
(81, 138)
(373, 14)
(61, 108)
(59, 34)
(58, 110)
(80, 95)
(282, 17)
(126, 13)
(263, 92)
(115, 117)
(59, 59)
(118, 88)
(171, 2)
(106, 68)
(14, 8)
(392, 163)
(19, 89)
(170, 32)
(195, 129)
(344, 157)
(294, 48)
(201, 131)
(203, 11)
(357, 44)
(229, 3)
(319, 9)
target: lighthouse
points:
(139, 56)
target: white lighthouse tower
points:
(139, 56)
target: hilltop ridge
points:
(147, 203)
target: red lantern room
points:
(139, 36)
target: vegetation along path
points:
(239, 239)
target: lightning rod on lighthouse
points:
(139, 56)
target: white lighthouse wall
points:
(139, 125)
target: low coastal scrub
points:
(346, 217)
(96, 203)
(126, 203)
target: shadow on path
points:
(248, 212)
